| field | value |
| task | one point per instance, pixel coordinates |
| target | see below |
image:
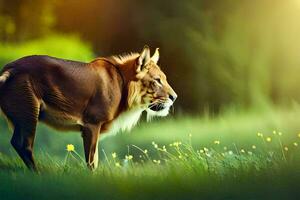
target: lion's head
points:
(150, 89)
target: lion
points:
(97, 98)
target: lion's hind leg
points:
(21, 107)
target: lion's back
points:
(41, 62)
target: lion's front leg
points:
(90, 135)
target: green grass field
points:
(237, 155)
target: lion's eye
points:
(158, 80)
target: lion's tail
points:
(5, 75)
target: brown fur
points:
(69, 95)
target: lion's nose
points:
(173, 97)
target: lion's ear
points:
(144, 58)
(155, 56)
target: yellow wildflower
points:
(117, 164)
(156, 161)
(155, 145)
(260, 134)
(253, 147)
(176, 144)
(269, 139)
(114, 154)
(295, 144)
(286, 148)
(70, 147)
(279, 133)
(217, 142)
(242, 151)
(129, 157)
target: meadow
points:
(236, 155)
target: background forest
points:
(216, 53)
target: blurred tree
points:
(25, 19)
(216, 53)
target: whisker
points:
(152, 105)
(173, 109)
(157, 102)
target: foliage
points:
(63, 46)
(215, 53)
(27, 19)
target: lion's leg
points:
(21, 107)
(90, 135)
(96, 155)
(22, 141)
(24, 130)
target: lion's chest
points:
(125, 121)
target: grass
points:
(235, 156)
(180, 172)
